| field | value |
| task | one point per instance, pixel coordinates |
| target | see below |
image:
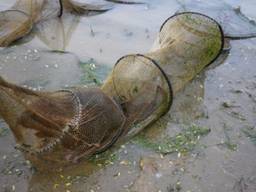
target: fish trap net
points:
(145, 84)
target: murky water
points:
(223, 98)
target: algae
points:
(93, 73)
(104, 159)
(251, 134)
(3, 131)
(183, 142)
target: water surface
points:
(223, 98)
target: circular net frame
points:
(145, 85)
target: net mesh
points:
(145, 84)
(69, 125)
(24, 14)
(13, 25)
(84, 121)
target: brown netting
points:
(13, 25)
(145, 84)
(71, 124)
(24, 14)
(84, 8)
(18, 21)
(100, 124)
(32, 8)
(83, 121)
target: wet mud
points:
(222, 99)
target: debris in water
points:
(183, 142)
(3, 131)
(228, 104)
(250, 132)
(228, 143)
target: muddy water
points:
(223, 98)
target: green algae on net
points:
(182, 49)
(69, 125)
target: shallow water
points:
(223, 98)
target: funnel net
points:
(68, 125)
(144, 85)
